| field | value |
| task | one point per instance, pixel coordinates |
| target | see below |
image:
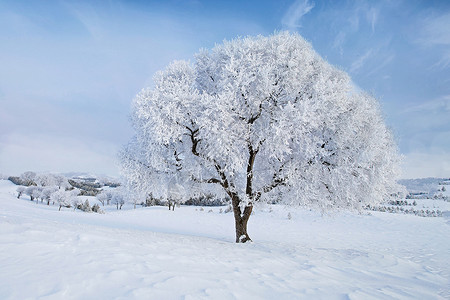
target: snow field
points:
(153, 253)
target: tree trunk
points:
(241, 220)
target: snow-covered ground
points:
(154, 253)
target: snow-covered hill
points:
(426, 186)
(154, 253)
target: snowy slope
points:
(428, 186)
(153, 253)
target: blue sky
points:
(69, 69)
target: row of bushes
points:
(20, 181)
(204, 200)
(410, 211)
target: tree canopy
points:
(261, 119)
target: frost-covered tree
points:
(45, 179)
(32, 191)
(20, 190)
(135, 197)
(28, 178)
(62, 198)
(118, 200)
(47, 192)
(117, 197)
(39, 194)
(61, 181)
(261, 119)
(102, 197)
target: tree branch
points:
(277, 182)
(210, 180)
(223, 181)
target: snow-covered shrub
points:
(96, 208)
(86, 207)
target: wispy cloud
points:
(295, 13)
(88, 17)
(444, 62)
(435, 33)
(441, 104)
(435, 30)
(339, 42)
(382, 62)
(372, 17)
(359, 63)
(351, 20)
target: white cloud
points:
(295, 13)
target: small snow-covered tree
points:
(28, 178)
(45, 179)
(20, 191)
(102, 197)
(63, 198)
(77, 203)
(47, 192)
(134, 197)
(39, 194)
(32, 191)
(117, 198)
(261, 119)
(61, 181)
